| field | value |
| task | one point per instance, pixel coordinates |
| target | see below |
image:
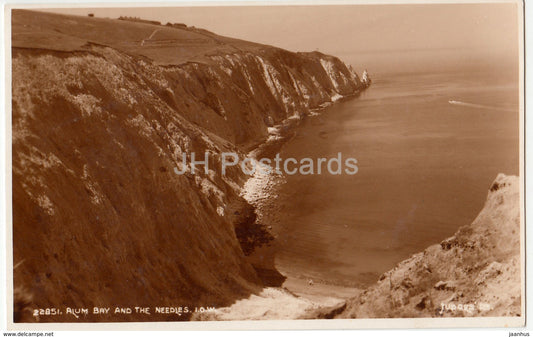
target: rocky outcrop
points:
(476, 272)
(99, 126)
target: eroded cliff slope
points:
(101, 115)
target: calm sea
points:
(428, 147)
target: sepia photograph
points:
(285, 162)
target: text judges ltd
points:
(249, 165)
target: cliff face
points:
(99, 216)
(474, 273)
(243, 92)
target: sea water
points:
(428, 146)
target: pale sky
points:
(375, 35)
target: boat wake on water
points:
(479, 106)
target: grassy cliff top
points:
(162, 44)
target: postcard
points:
(265, 166)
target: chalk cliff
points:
(102, 111)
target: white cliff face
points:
(364, 79)
(329, 68)
(474, 273)
(292, 89)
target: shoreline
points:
(259, 192)
(284, 295)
